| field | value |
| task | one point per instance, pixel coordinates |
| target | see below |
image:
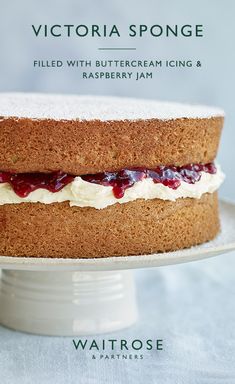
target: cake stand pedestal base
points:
(75, 297)
(67, 303)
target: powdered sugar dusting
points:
(104, 108)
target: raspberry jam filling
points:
(25, 183)
(171, 176)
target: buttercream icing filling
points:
(108, 188)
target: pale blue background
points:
(190, 306)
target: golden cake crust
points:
(82, 147)
(134, 228)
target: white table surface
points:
(190, 306)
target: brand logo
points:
(118, 348)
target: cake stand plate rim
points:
(225, 242)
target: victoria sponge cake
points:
(93, 176)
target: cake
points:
(93, 176)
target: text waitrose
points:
(121, 344)
(140, 30)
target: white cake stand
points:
(87, 296)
